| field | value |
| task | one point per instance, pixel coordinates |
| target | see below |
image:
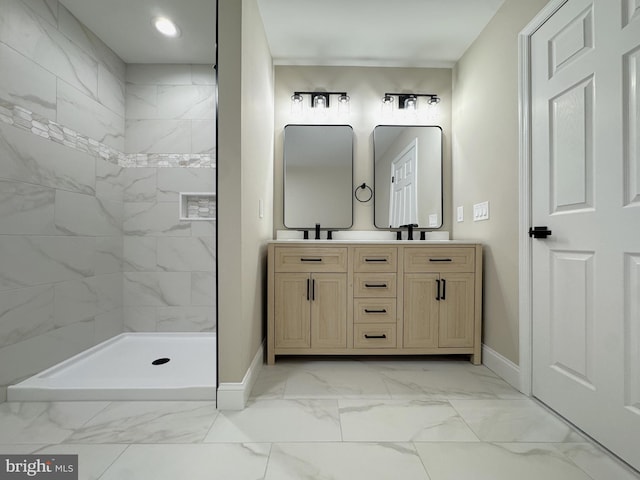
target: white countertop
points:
(298, 242)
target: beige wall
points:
(245, 176)
(485, 163)
(365, 86)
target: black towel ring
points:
(365, 187)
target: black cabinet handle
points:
(437, 289)
(440, 260)
(444, 290)
(371, 260)
(310, 259)
(308, 282)
(313, 290)
(384, 310)
(375, 285)
(366, 335)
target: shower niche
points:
(196, 206)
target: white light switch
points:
(433, 220)
(461, 214)
(261, 208)
(481, 211)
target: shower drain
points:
(161, 361)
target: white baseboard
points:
(234, 396)
(501, 366)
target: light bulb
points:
(343, 104)
(319, 101)
(296, 104)
(387, 105)
(410, 103)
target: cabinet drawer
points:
(375, 259)
(374, 285)
(374, 310)
(374, 335)
(449, 259)
(310, 259)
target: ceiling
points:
(126, 26)
(400, 33)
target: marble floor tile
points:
(271, 383)
(190, 462)
(24, 449)
(447, 382)
(488, 461)
(401, 421)
(345, 461)
(423, 363)
(148, 422)
(43, 422)
(336, 379)
(597, 463)
(279, 421)
(514, 421)
(93, 460)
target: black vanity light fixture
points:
(320, 99)
(409, 101)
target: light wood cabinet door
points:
(328, 310)
(421, 310)
(457, 303)
(292, 311)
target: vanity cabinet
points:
(310, 298)
(375, 291)
(439, 297)
(394, 298)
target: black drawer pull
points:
(383, 310)
(366, 335)
(440, 260)
(370, 260)
(375, 285)
(310, 259)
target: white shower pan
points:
(130, 366)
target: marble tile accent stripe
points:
(29, 121)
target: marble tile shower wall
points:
(169, 265)
(69, 207)
(61, 188)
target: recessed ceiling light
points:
(166, 27)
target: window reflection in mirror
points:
(318, 176)
(407, 176)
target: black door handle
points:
(539, 232)
(444, 290)
(437, 289)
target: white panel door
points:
(586, 190)
(404, 187)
